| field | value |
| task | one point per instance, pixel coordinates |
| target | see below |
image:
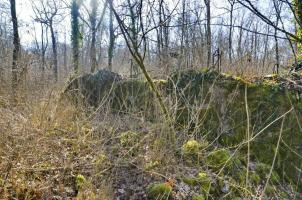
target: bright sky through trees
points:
(28, 27)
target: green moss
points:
(270, 190)
(275, 178)
(101, 159)
(241, 80)
(159, 143)
(159, 190)
(129, 138)
(160, 83)
(191, 181)
(263, 171)
(191, 148)
(255, 178)
(80, 181)
(198, 197)
(202, 175)
(284, 196)
(239, 175)
(152, 165)
(218, 158)
(226, 75)
(267, 100)
(202, 180)
(205, 70)
(205, 187)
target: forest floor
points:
(52, 149)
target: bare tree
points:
(94, 25)
(250, 6)
(46, 15)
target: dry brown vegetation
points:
(47, 145)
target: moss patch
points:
(159, 190)
(218, 158)
(129, 138)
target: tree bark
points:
(43, 48)
(231, 31)
(278, 11)
(65, 52)
(111, 37)
(16, 51)
(93, 27)
(134, 36)
(208, 32)
(75, 35)
(54, 51)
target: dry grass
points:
(44, 145)
(47, 143)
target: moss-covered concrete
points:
(213, 106)
(133, 96)
(219, 102)
(107, 88)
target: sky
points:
(28, 27)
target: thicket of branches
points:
(237, 36)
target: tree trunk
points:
(231, 32)
(75, 35)
(298, 12)
(277, 66)
(93, 28)
(183, 33)
(134, 37)
(266, 43)
(166, 38)
(208, 34)
(54, 51)
(65, 52)
(278, 10)
(93, 51)
(43, 48)
(112, 38)
(16, 51)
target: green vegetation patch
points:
(129, 138)
(218, 158)
(159, 190)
